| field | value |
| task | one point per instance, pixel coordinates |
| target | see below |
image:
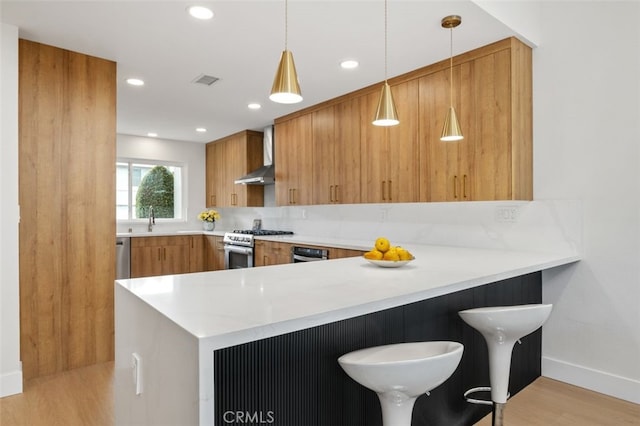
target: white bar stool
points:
(400, 373)
(502, 327)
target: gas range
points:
(245, 237)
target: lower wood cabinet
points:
(213, 252)
(151, 256)
(267, 253)
(196, 254)
(340, 253)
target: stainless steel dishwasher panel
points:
(123, 257)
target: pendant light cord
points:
(286, 23)
(451, 66)
(385, 41)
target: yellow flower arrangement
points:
(209, 216)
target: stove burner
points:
(261, 232)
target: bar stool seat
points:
(399, 373)
(502, 327)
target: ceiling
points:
(159, 42)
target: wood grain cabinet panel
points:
(67, 122)
(492, 91)
(228, 159)
(214, 252)
(268, 253)
(294, 158)
(152, 256)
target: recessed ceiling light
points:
(254, 105)
(349, 64)
(135, 82)
(200, 12)
(152, 135)
(201, 129)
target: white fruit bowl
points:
(389, 263)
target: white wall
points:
(190, 154)
(10, 366)
(586, 146)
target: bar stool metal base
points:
(497, 416)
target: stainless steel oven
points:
(308, 254)
(238, 246)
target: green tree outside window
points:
(156, 189)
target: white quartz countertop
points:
(231, 307)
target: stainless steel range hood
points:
(265, 175)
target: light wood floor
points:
(84, 397)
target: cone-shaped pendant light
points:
(451, 131)
(386, 114)
(286, 89)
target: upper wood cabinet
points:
(408, 162)
(390, 170)
(336, 153)
(228, 159)
(493, 95)
(293, 158)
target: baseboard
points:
(595, 380)
(10, 383)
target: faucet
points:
(152, 219)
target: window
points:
(140, 185)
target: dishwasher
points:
(308, 254)
(123, 257)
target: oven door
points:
(237, 257)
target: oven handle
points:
(307, 259)
(238, 249)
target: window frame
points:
(181, 189)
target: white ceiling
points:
(160, 43)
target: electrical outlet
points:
(507, 214)
(136, 366)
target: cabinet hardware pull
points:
(331, 193)
(389, 186)
(464, 186)
(164, 253)
(383, 191)
(337, 197)
(455, 187)
(293, 191)
(159, 254)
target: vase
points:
(209, 226)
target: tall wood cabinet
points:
(493, 101)
(228, 159)
(390, 170)
(336, 153)
(67, 154)
(293, 157)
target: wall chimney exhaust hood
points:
(265, 175)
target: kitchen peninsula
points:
(214, 343)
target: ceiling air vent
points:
(207, 80)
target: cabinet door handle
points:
(293, 198)
(464, 186)
(389, 186)
(164, 253)
(383, 190)
(331, 193)
(336, 193)
(455, 187)
(212, 200)
(159, 254)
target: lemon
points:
(373, 255)
(403, 254)
(382, 244)
(391, 254)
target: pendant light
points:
(386, 114)
(285, 89)
(451, 131)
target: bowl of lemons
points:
(385, 255)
